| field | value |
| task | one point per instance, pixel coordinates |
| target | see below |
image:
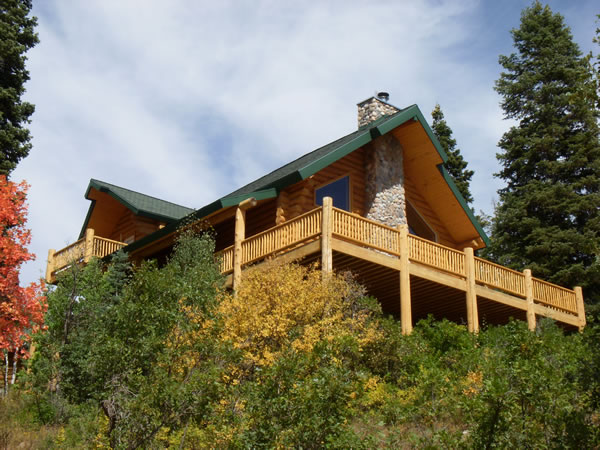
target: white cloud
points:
(187, 101)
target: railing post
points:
(239, 236)
(405, 302)
(88, 249)
(531, 320)
(326, 236)
(580, 307)
(471, 295)
(50, 265)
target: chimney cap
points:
(385, 96)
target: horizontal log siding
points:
(300, 197)
(258, 219)
(129, 224)
(421, 205)
(124, 227)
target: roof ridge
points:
(141, 193)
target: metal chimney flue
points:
(384, 96)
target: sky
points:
(189, 100)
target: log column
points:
(88, 251)
(238, 238)
(531, 320)
(580, 307)
(50, 265)
(405, 302)
(471, 295)
(326, 236)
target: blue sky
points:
(187, 101)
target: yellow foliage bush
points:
(281, 306)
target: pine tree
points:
(456, 165)
(16, 37)
(548, 215)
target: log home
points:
(378, 202)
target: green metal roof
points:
(269, 185)
(140, 204)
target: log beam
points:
(471, 295)
(580, 307)
(326, 236)
(239, 236)
(89, 245)
(50, 265)
(405, 302)
(531, 320)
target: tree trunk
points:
(5, 372)
(14, 371)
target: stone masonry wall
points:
(372, 109)
(385, 199)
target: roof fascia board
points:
(448, 178)
(338, 153)
(263, 194)
(110, 192)
(88, 216)
(412, 112)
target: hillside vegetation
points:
(158, 357)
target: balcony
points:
(437, 279)
(411, 276)
(79, 252)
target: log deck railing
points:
(372, 235)
(80, 251)
(365, 233)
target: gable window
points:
(338, 190)
(417, 224)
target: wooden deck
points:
(80, 251)
(411, 276)
(441, 280)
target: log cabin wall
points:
(259, 218)
(300, 197)
(131, 226)
(124, 228)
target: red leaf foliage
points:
(21, 308)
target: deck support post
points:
(326, 235)
(531, 320)
(50, 265)
(405, 302)
(471, 295)
(88, 249)
(238, 238)
(580, 307)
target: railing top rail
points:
(516, 272)
(100, 238)
(364, 219)
(436, 244)
(287, 222)
(224, 250)
(556, 286)
(68, 247)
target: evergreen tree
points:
(548, 216)
(16, 37)
(456, 165)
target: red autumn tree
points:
(21, 308)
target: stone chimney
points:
(373, 108)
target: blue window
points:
(339, 191)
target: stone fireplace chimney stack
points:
(373, 108)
